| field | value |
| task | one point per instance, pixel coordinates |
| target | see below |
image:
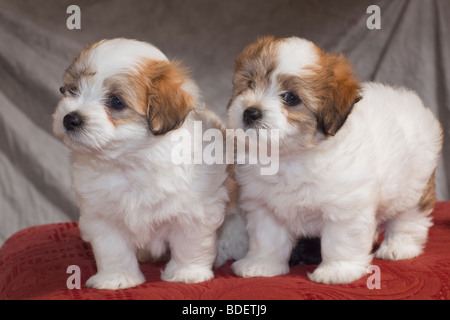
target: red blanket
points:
(34, 264)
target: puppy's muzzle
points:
(251, 114)
(72, 121)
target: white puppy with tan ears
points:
(352, 157)
(123, 101)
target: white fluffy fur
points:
(131, 195)
(341, 187)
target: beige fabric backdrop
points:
(411, 49)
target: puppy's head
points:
(291, 85)
(119, 91)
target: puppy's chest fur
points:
(127, 194)
(290, 194)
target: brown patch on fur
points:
(296, 85)
(129, 93)
(259, 52)
(232, 187)
(161, 96)
(79, 68)
(121, 117)
(154, 93)
(305, 118)
(254, 65)
(428, 198)
(335, 89)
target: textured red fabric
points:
(34, 262)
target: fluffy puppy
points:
(123, 102)
(352, 157)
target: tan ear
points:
(168, 103)
(341, 90)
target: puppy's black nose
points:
(251, 114)
(72, 121)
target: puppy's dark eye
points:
(291, 99)
(251, 84)
(115, 103)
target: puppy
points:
(123, 102)
(352, 156)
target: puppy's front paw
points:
(113, 281)
(186, 273)
(397, 250)
(339, 272)
(259, 267)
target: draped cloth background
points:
(411, 49)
